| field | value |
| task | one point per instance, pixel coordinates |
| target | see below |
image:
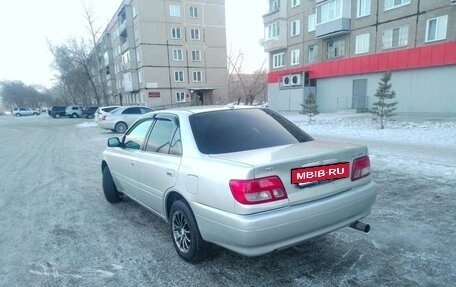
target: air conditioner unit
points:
(286, 81)
(296, 80)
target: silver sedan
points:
(243, 178)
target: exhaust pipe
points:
(361, 226)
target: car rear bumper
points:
(261, 233)
(105, 125)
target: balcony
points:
(276, 35)
(336, 27)
(275, 44)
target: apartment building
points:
(339, 49)
(164, 53)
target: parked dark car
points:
(89, 112)
(57, 111)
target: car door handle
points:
(170, 172)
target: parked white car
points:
(241, 177)
(119, 119)
(101, 111)
(18, 112)
(73, 111)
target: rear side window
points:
(164, 137)
(239, 130)
(146, 110)
(132, 111)
(109, 109)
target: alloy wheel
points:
(181, 231)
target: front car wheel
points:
(185, 234)
(109, 188)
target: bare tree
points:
(79, 63)
(71, 60)
(244, 85)
(18, 94)
(94, 35)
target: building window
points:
(391, 4)
(364, 7)
(179, 76)
(140, 76)
(278, 60)
(193, 12)
(106, 58)
(180, 97)
(436, 29)
(295, 3)
(137, 33)
(178, 55)
(295, 28)
(336, 48)
(272, 31)
(273, 5)
(362, 43)
(176, 33)
(197, 76)
(196, 55)
(126, 58)
(312, 53)
(311, 23)
(174, 10)
(194, 34)
(294, 57)
(329, 11)
(396, 37)
(138, 55)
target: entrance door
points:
(359, 99)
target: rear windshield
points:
(239, 130)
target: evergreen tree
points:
(310, 107)
(383, 109)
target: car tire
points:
(109, 188)
(35, 114)
(89, 116)
(57, 116)
(121, 127)
(185, 234)
(74, 115)
(18, 115)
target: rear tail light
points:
(103, 117)
(260, 190)
(361, 168)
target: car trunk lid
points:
(280, 160)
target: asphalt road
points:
(56, 228)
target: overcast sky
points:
(27, 25)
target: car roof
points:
(187, 111)
(203, 109)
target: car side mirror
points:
(114, 142)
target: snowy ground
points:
(56, 228)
